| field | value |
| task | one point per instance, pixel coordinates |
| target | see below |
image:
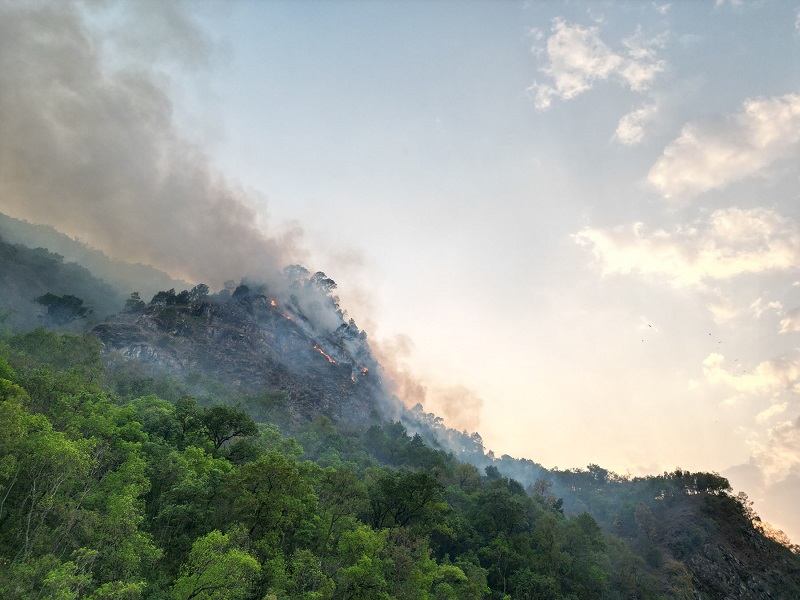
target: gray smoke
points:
(94, 151)
(89, 145)
(460, 406)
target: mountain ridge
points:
(291, 350)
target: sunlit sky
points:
(575, 224)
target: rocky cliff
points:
(254, 343)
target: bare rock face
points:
(254, 344)
(727, 558)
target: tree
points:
(492, 472)
(468, 478)
(188, 415)
(295, 275)
(40, 473)
(199, 292)
(340, 494)
(272, 497)
(134, 303)
(400, 498)
(216, 570)
(322, 282)
(362, 576)
(222, 423)
(164, 298)
(63, 309)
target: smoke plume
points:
(89, 144)
(460, 407)
(95, 152)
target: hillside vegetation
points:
(243, 445)
(110, 495)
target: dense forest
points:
(117, 485)
(203, 445)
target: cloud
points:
(781, 452)
(712, 154)
(729, 243)
(776, 409)
(791, 321)
(577, 58)
(769, 379)
(662, 9)
(774, 497)
(722, 309)
(90, 146)
(630, 130)
(760, 306)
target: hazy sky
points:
(575, 224)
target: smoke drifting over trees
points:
(96, 151)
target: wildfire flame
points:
(364, 372)
(275, 304)
(321, 351)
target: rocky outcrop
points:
(727, 557)
(254, 344)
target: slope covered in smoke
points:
(290, 358)
(252, 339)
(687, 532)
(27, 274)
(123, 276)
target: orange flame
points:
(275, 304)
(364, 372)
(330, 360)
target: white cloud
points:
(630, 129)
(729, 243)
(723, 309)
(774, 499)
(791, 321)
(712, 154)
(769, 378)
(776, 409)
(577, 57)
(760, 306)
(662, 9)
(781, 452)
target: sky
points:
(571, 226)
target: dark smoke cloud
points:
(94, 151)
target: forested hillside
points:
(108, 494)
(122, 276)
(242, 444)
(76, 297)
